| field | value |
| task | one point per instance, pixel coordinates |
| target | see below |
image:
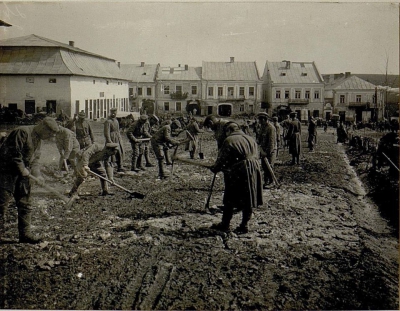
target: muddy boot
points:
(167, 157)
(134, 165)
(161, 170)
(139, 163)
(24, 227)
(147, 158)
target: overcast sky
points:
(357, 37)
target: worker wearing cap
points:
(279, 131)
(312, 134)
(83, 131)
(68, 147)
(140, 129)
(194, 130)
(238, 160)
(293, 137)
(113, 135)
(19, 157)
(267, 142)
(95, 158)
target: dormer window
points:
(304, 74)
(283, 73)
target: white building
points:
(37, 73)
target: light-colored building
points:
(178, 90)
(293, 86)
(37, 73)
(352, 98)
(230, 88)
(142, 84)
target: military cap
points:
(111, 145)
(51, 124)
(263, 115)
(114, 109)
(82, 114)
(144, 117)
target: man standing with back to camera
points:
(112, 135)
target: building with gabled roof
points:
(230, 88)
(142, 84)
(293, 86)
(352, 98)
(37, 73)
(178, 90)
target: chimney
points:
(347, 74)
(232, 59)
(186, 67)
(119, 64)
(71, 43)
(142, 64)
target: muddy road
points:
(318, 242)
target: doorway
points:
(51, 106)
(225, 110)
(30, 106)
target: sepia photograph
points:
(199, 155)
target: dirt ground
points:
(325, 239)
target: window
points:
(131, 91)
(304, 74)
(210, 91)
(52, 80)
(283, 73)
(178, 88)
(316, 94)
(178, 106)
(230, 91)
(278, 94)
(166, 106)
(101, 94)
(107, 82)
(297, 94)
(341, 99)
(241, 108)
(251, 91)
(194, 89)
(241, 91)
(148, 91)
(358, 98)
(287, 94)
(166, 89)
(30, 80)
(307, 95)
(140, 91)
(94, 81)
(220, 91)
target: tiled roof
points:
(53, 60)
(299, 72)
(138, 73)
(380, 79)
(350, 83)
(179, 73)
(230, 71)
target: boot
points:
(139, 163)
(24, 227)
(147, 158)
(104, 187)
(161, 170)
(167, 158)
(134, 164)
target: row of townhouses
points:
(38, 74)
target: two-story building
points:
(38, 74)
(178, 90)
(352, 98)
(293, 86)
(230, 88)
(142, 85)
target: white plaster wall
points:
(15, 89)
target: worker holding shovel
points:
(194, 130)
(19, 158)
(95, 158)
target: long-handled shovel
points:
(210, 193)
(134, 194)
(201, 154)
(68, 201)
(276, 182)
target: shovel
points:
(201, 154)
(134, 194)
(207, 206)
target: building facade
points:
(230, 88)
(293, 86)
(39, 74)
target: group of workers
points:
(238, 158)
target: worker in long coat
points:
(312, 134)
(294, 138)
(68, 147)
(238, 160)
(113, 135)
(194, 130)
(19, 158)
